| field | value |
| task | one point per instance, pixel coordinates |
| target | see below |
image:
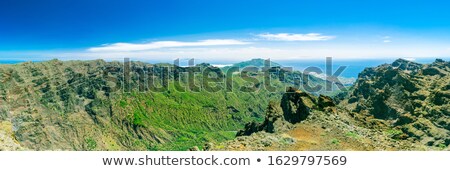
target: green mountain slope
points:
(81, 105)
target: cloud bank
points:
(295, 37)
(117, 47)
(127, 47)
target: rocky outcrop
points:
(413, 97)
(398, 106)
(406, 65)
(325, 102)
(295, 106)
(273, 123)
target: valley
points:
(99, 105)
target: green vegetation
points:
(335, 141)
(191, 118)
(442, 146)
(351, 134)
(77, 105)
(90, 144)
(393, 132)
(73, 99)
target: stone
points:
(325, 101)
(195, 148)
(297, 105)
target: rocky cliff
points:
(399, 106)
(414, 98)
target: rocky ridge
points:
(413, 98)
(97, 105)
(399, 106)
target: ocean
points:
(352, 67)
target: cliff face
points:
(302, 121)
(412, 97)
(295, 106)
(43, 104)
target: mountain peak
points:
(403, 60)
(404, 64)
(257, 62)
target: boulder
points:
(273, 123)
(195, 148)
(325, 101)
(405, 119)
(249, 129)
(297, 105)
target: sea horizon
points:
(352, 66)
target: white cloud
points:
(295, 37)
(240, 53)
(164, 44)
(409, 59)
(221, 65)
(386, 39)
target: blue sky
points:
(225, 30)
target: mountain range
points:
(99, 105)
